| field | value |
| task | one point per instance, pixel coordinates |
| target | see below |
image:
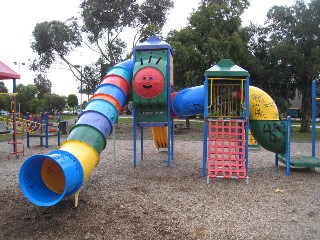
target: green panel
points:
(226, 68)
(151, 116)
(154, 109)
(270, 134)
(301, 161)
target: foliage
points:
(5, 102)
(27, 101)
(35, 106)
(83, 105)
(214, 32)
(52, 103)
(43, 84)
(54, 39)
(287, 53)
(103, 22)
(90, 80)
(72, 101)
(25, 96)
(3, 88)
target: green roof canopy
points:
(226, 68)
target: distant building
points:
(297, 101)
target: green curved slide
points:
(265, 125)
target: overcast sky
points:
(18, 19)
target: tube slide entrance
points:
(47, 179)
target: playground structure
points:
(227, 101)
(5, 74)
(40, 126)
(16, 126)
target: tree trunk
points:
(306, 110)
(187, 123)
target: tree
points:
(5, 100)
(214, 32)
(35, 106)
(103, 21)
(90, 80)
(3, 88)
(83, 105)
(54, 39)
(44, 85)
(290, 52)
(25, 96)
(52, 103)
(265, 72)
(72, 101)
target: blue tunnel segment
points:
(189, 101)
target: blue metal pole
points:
(205, 128)
(314, 113)
(288, 150)
(134, 138)
(247, 125)
(47, 129)
(141, 141)
(169, 108)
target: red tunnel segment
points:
(148, 82)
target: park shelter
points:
(7, 73)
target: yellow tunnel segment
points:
(87, 156)
(262, 106)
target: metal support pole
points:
(314, 111)
(141, 142)
(59, 129)
(247, 127)
(47, 129)
(134, 138)
(14, 136)
(288, 150)
(114, 144)
(28, 133)
(205, 128)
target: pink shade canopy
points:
(7, 73)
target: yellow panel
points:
(160, 136)
(262, 106)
